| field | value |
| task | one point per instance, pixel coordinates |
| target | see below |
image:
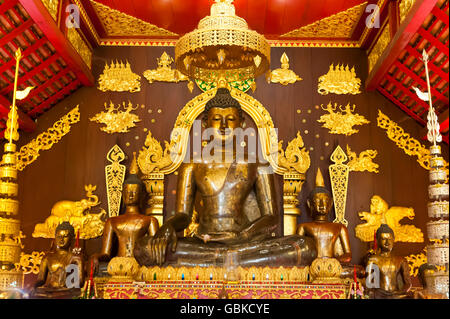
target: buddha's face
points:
(131, 194)
(386, 242)
(62, 238)
(321, 203)
(223, 121)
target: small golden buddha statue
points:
(238, 212)
(393, 274)
(127, 228)
(53, 278)
(427, 270)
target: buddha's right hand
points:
(158, 245)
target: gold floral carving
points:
(76, 213)
(164, 72)
(52, 7)
(339, 183)
(341, 122)
(118, 77)
(403, 140)
(296, 157)
(378, 48)
(404, 7)
(381, 213)
(44, 141)
(117, 23)
(339, 80)
(117, 121)
(115, 175)
(363, 161)
(29, 263)
(80, 46)
(339, 25)
(283, 75)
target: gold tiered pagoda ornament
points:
(118, 77)
(222, 46)
(11, 276)
(339, 80)
(438, 207)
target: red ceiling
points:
(269, 17)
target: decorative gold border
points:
(88, 21)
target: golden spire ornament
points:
(319, 179)
(115, 175)
(339, 183)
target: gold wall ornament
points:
(52, 7)
(44, 141)
(77, 214)
(363, 161)
(164, 72)
(339, 80)
(115, 175)
(118, 77)
(341, 122)
(222, 46)
(283, 75)
(80, 46)
(381, 213)
(404, 7)
(296, 158)
(339, 183)
(29, 263)
(117, 23)
(339, 25)
(408, 144)
(117, 121)
(380, 45)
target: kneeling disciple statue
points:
(127, 228)
(61, 271)
(390, 273)
(238, 215)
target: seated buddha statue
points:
(53, 274)
(127, 228)
(238, 214)
(331, 239)
(392, 271)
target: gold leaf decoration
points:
(378, 48)
(339, 25)
(115, 175)
(296, 157)
(339, 80)
(152, 158)
(341, 122)
(339, 183)
(164, 72)
(80, 46)
(117, 121)
(363, 161)
(118, 77)
(283, 75)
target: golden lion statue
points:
(381, 213)
(89, 225)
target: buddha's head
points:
(320, 200)
(64, 235)
(223, 114)
(132, 186)
(385, 238)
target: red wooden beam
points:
(25, 53)
(45, 22)
(409, 27)
(25, 122)
(14, 33)
(7, 5)
(49, 82)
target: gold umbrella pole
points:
(11, 277)
(438, 206)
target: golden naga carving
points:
(89, 225)
(408, 144)
(118, 77)
(296, 157)
(117, 121)
(164, 73)
(341, 122)
(339, 183)
(363, 161)
(283, 75)
(152, 157)
(117, 23)
(29, 263)
(340, 25)
(44, 141)
(381, 213)
(115, 175)
(339, 80)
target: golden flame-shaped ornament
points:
(339, 183)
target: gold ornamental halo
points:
(222, 46)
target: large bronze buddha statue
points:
(53, 280)
(238, 214)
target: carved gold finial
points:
(319, 179)
(339, 183)
(133, 166)
(339, 80)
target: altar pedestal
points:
(182, 289)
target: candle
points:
(77, 244)
(210, 276)
(354, 274)
(375, 244)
